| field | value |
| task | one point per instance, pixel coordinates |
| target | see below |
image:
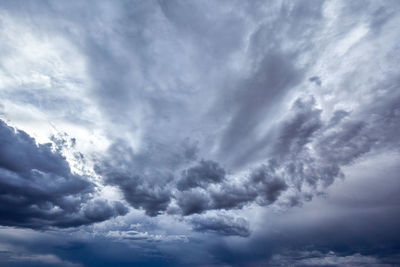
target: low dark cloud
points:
(194, 201)
(199, 114)
(199, 176)
(140, 194)
(355, 225)
(38, 189)
(222, 225)
(307, 156)
(260, 187)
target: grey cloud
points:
(285, 169)
(100, 210)
(260, 186)
(318, 258)
(136, 103)
(153, 198)
(297, 131)
(145, 236)
(123, 59)
(222, 225)
(203, 24)
(273, 77)
(307, 152)
(273, 73)
(346, 143)
(335, 143)
(204, 173)
(194, 201)
(38, 189)
(360, 216)
(20, 154)
(316, 80)
(143, 184)
(290, 163)
(270, 188)
(180, 81)
(233, 196)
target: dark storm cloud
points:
(204, 186)
(200, 188)
(233, 196)
(209, 108)
(223, 225)
(194, 201)
(292, 165)
(298, 130)
(260, 186)
(152, 197)
(38, 189)
(269, 188)
(360, 216)
(266, 183)
(123, 60)
(206, 172)
(335, 143)
(144, 185)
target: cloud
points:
(231, 109)
(199, 176)
(260, 187)
(306, 156)
(38, 189)
(316, 80)
(358, 216)
(316, 258)
(21, 259)
(273, 77)
(133, 235)
(140, 194)
(222, 225)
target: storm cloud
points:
(38, 189)
(241, 133)
(223, 225)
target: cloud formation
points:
(224, 125)
(38, 189)
(223, 225)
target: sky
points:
(199, 133)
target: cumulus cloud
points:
(38, 189)
(187, 109)
(140, 190)
(199, 176)
(307, 155)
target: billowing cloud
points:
(38, 189)
(206, 172)
(218, 123)
(224, 225)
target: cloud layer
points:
(38, 189)
(217, 129)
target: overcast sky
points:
(199, 133)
